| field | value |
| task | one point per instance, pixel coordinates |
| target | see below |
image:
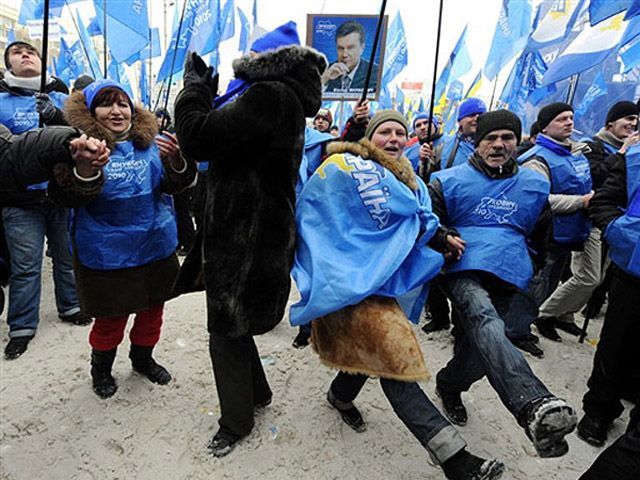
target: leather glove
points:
(197, 72)
(45, 106)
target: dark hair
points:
(350, 27)
(162, 112)
(108, 96)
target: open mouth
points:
(392, 150)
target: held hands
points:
(89, 155)
(197, 72)
(455, 248)
(45, 107)
(170, 150)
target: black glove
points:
(197, 72)
(45, 106)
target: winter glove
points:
(197, 72)
(45, 107)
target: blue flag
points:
(597, 89)
(399, 100)
(244, 31)
(600, 10)
(94, 27)
(11, 37)
(525, 79)
(458, 64)
(631, 56)
(360, 232)
(115, 71)
(89, 51)
(634, 10)
(34, 9)
(254, 12)
(77, 60)
(144, 86)
(147, 52)
(555, 24)
(512, 31)
(196, 35)
(127, 26)
(227, 21)
(384, 101)
(396, 54)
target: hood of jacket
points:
(298, 67)
(144, 127)
(400, 168)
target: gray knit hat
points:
(382, 116)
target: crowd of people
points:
(376, 224)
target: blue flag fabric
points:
(512, 31)
(384, 101)
(554, 25)
(399, 99)
(634, 10)
(34, 9)
(631, 56)
(77, 60)
(127, 26)
(152, 50)
(94, 27)
(396, 53)
(360, 232)
(254, 12)
(200, 33)
(115, 72)
(228, 21)
(89, 51)
(525, 79)
(458, 64)
(11, 37)
(597, 89)
(600, 10)
(144, 86)
(244, 31)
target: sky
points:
(420, 19)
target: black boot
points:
(466, 466)
(103, 382)
(143, 363)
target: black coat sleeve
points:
(540, 237)
(353, 131)
(607, 203)
(30, 157)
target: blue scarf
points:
(564, 150)
(235, 88)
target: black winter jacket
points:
(254, 147)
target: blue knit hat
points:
(282, 36)
(93, 89)
(471, 106)
(424, 116)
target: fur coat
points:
(254, 148)
(107, 293)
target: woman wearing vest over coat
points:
(123, 231)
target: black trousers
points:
(240, 381)
(437, 303)
(616, 365)
(186, 231)
(621, 460)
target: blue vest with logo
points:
(570, 175)
(131, 223)
(18, 113)
(623, 234)
(494, 217)
(456, 152)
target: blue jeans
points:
(25, 229)
(413, 407)
(482, 348)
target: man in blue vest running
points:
(458, 149)
(496, 207)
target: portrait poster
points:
(347, 41)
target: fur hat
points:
(498, 120)
(382, 116)
(551, 111)
(621, 110)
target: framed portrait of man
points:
(347, 41)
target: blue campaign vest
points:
(18, 113)
(455, 152)
(623, 234)
(131, 223)
(494, 217)
(570, 175)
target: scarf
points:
(608, 137)
(26, 83)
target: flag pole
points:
(373, 52)
(44, 54)
(173, 64)
(573, 86)
(435, 71)
(84, 47)
(493, 93)
(104, 36)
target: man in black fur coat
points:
(253, 139)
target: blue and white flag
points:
(150, 51)
(244, 31)
(127, 29)
(34, 9)
(510, 37)
(588, 49)
(525, 79)
(600, 10)
(399, 100)
(458, 64)
(385, 101)
(200, 33)
(144, 86)
(396, 54)
(631, 56)
(116, 72)
(94, 27)
(597, 89)
(556, 23)
(87, 48)
(360, 232)
(227, 21)
(634, 10)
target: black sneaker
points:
(16, 347)
(546, 422)
(466, 466)
(78, 318)
(348, 412)
(570, 327)
(221, 444)
(301, 340)
(546, 327)
(453, 407)
(434, 326)
(593, 430)
(528, 345)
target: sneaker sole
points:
(553, 422)
(460, 423)
(490, 470)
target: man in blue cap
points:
(421, 152)
(457, 150)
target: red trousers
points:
(108, 332)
